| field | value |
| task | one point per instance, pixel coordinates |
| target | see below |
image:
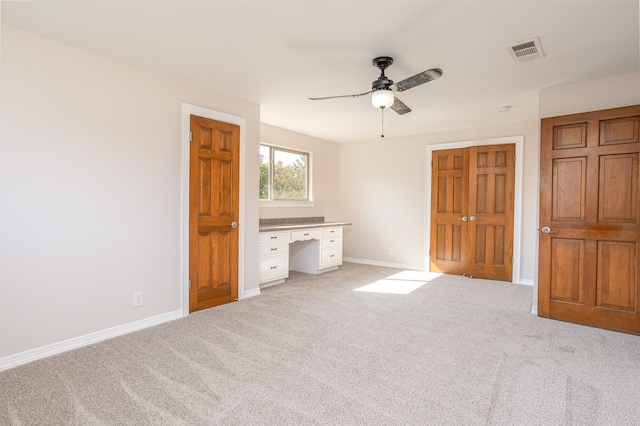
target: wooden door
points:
(472, 196)
(588, 261)
(491, 196)
(213, 213)
(449, 205)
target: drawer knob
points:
(274, 249)
(273, 267)
(332, 255)
(274, 237)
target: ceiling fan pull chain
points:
(382, 131)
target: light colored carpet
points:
(314, 351)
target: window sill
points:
(270, 203)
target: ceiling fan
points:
(382, 90)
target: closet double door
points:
(472, 199)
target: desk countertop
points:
(270, 225)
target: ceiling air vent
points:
(526, 50)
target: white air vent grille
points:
(526, 50)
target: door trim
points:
(517, 201)
(187, 111)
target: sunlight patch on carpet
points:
(401, 283)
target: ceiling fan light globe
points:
(382, 98)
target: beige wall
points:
(325, 176)
(593, 95)
(91, 201)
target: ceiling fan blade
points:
(399, 107)
(416, 80)
(341, 96)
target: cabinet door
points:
(330, 256)
(274, 268)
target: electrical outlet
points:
(138, 299)
(389, 252)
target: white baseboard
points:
(251, 293)
(88, 339)
(385, 264)
(534, 310)
(526, 281)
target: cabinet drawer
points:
(306, 234)
(332, 232)
(274, 237)
(330, 256)
(269, 249)
(331, 241)
(273, 268)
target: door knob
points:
(472, 218)
(234, 224)
(463, 218)
(547, 230)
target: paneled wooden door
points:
(213, 213)
(589, 228)
(491, 198)
(472, 199)
(449, 210)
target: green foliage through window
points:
(284, 174)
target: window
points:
(284, 174)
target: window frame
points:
(283, 202)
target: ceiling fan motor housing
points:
(381, 84)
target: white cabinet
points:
(309, 250)
(274, 258)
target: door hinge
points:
(512, 261)
(190, 136)
(189, 284)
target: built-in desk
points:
(308, 245)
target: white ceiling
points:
(279, 53)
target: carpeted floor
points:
(314, 351)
